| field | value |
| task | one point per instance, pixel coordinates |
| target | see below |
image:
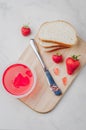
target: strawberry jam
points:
(18, 79)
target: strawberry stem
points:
(26, 26)
(75, 57)
(58, 53)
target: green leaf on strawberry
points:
(75, 57)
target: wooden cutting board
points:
(42, 99)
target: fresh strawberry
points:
(25, 30)
(57, 58)
(72, 63)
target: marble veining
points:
(70, 114)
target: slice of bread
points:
(53, 49)
(58, 32)
(51, 44)
(48, 44)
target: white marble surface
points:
(70, 114)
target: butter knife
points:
(54, 87)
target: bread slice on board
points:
(50, 44)
(58, 32)
(53, 49)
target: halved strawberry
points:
(64, 80)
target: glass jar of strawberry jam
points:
(19, 80)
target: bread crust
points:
(49, 44)
(60, 43)
(54, 49)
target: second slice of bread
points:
(48, 44)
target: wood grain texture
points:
(42, 99)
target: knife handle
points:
(54, 87)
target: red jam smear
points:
(18, 79)
(21, 81)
